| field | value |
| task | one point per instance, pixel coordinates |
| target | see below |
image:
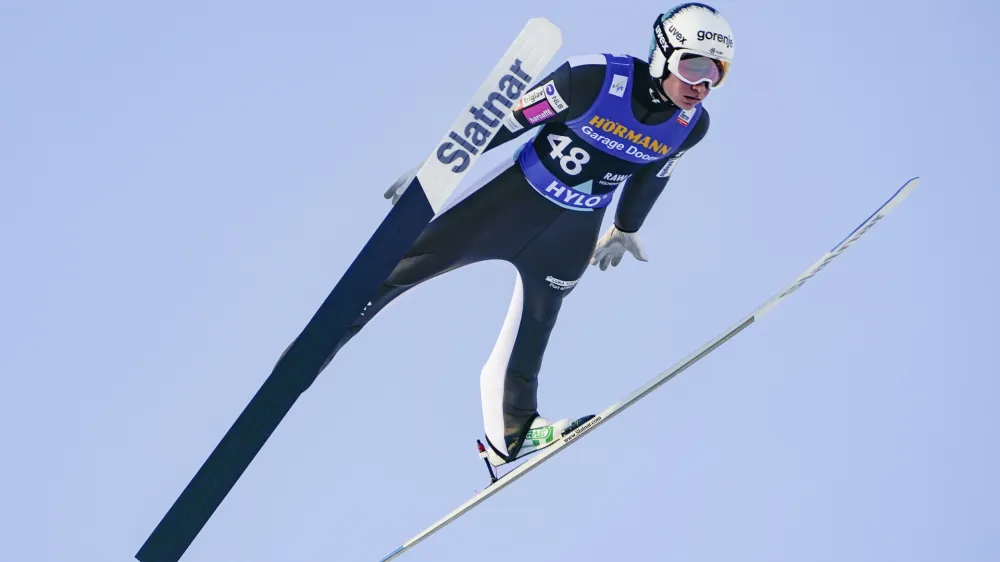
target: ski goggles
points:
(693, 67)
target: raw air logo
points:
(540, 435)
(718, 37)
(559, 284)
(612, 178)
(618, 84)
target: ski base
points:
(586, 425)
(306, 357)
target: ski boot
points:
(540, 434)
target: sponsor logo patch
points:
(559, 284)
(531, 98)
(621, 131)
(668, 168)
(618, 84)
(512, 124)
(676, 33)
(713, 36)
(540, 435)
(685, 117)
(612, 178)
(552, 95)
(582, 429)
(538, 112)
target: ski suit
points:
(599, 126)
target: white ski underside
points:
(532, 49)
(635, 396)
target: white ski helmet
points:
(691, 31)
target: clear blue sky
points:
(182, 183)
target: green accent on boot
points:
(540, 434)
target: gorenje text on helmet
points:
(712, 36)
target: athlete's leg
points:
(424, 261)
(548, 269)
(476, 228)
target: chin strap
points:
(657, 72)
(657, 95)
(657, 90)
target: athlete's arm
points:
(643, 188)
(535, 107)
(574, 87)
(535, 103)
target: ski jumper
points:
(598, 127)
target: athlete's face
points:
(684, 95)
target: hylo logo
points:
(573, 198)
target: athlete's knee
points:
(348, 335)
(541, 309)
(306, 379)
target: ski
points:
(586, 425)
(304, 359)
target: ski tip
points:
(908, 184)
(901, 193)
(543, 25)
(392, 555)
(891, 203)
